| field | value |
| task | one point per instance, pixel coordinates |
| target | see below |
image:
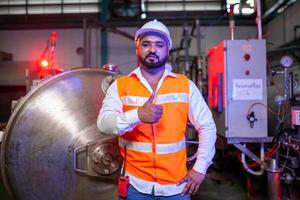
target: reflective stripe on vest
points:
(172, 97)
(147, 147)
(161, 99)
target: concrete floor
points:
(217, 189)
(223, 185)
(227, 180)
(217, 186)
(210, 190)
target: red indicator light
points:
(247, 72)
(44, 63)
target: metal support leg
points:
(274, 184)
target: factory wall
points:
(281, 29)
(28, 45)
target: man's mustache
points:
(152, 55)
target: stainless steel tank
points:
(52, 149)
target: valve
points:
(251, 118)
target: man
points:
(149, 110)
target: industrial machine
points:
(237, 88)
(52, 148)
(237, 82)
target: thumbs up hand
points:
(149, 112)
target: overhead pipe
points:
(273, 9)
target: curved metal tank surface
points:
(52, 148)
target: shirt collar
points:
(167, 72)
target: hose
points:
(247, 168)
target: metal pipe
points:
(274, 184)
(104, 35)
(1, 136)
(232, 32)
(262, 151)
(89, 50)
(295, 31)
(27, 80)
(199, 64)
(273, 9)
(286, 83)
(291, 86)
(258, 19)
(186, 40)
(85, 42)
(231, 21)
(246, 167)
(97, 36)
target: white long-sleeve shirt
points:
(113, 120)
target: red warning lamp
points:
(44, 63)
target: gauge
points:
(286, 61)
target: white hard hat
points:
(154, 26)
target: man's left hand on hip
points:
(193, 181)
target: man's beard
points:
(155, 63)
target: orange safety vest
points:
(156, 152)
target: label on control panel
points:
(247, 89)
